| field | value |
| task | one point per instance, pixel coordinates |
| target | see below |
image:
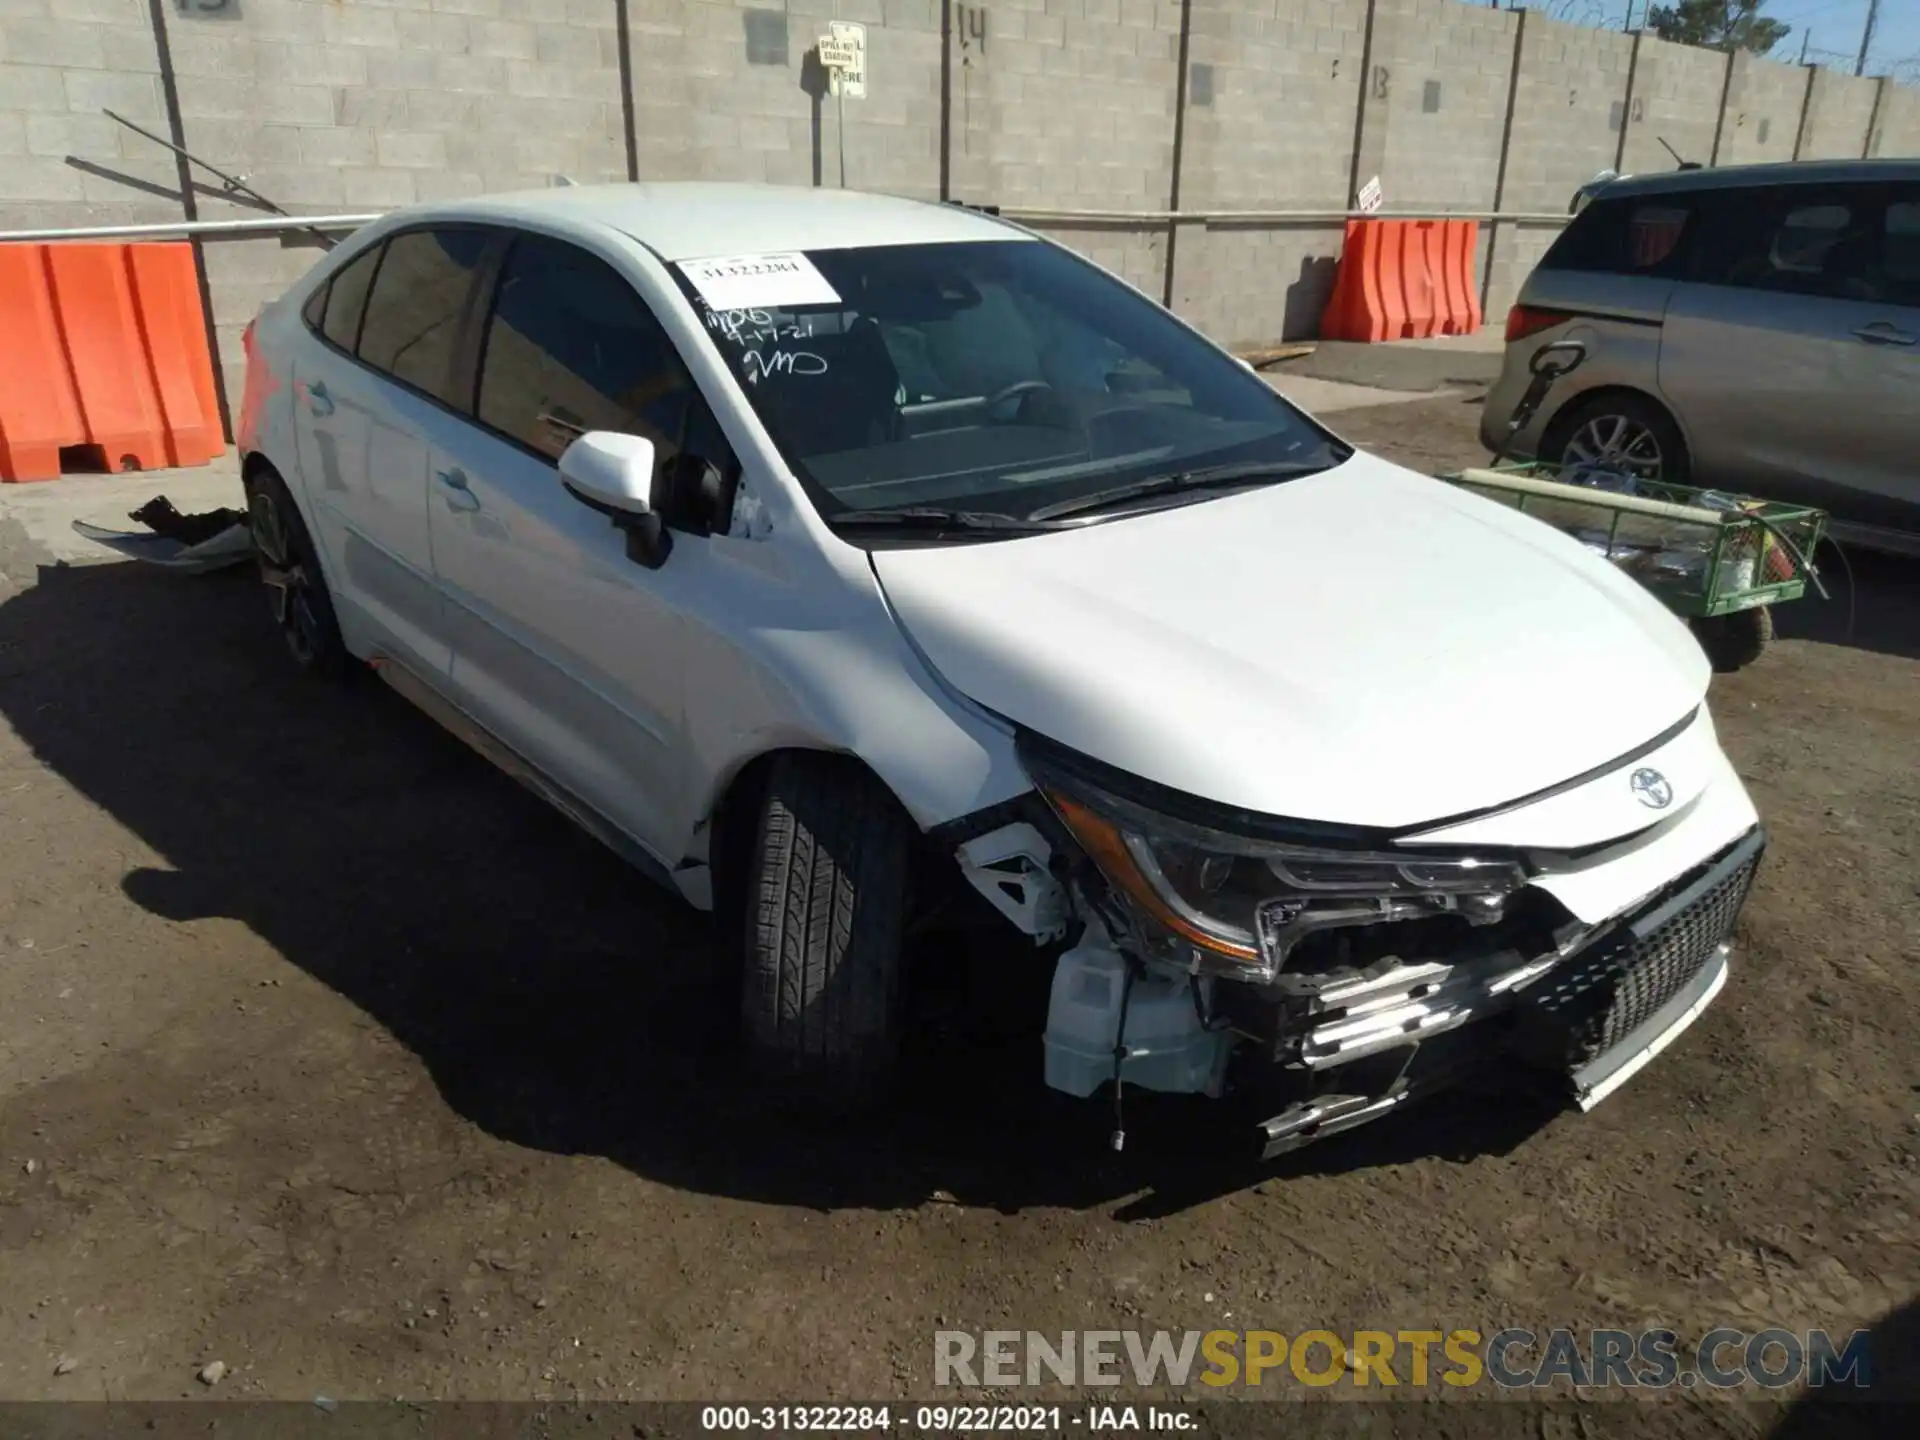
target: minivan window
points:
(1794, 241)
(1624, 236)
(1901, 260)
(570, 347)
(413, 315)
(346, 300)
(1001, 376)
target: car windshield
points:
(997, 378)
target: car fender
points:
(821, 664)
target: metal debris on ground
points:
(195, 544)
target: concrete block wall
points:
(1447, 69)
(1272, 92)
(1838, 113)
(1676, 98)
(61, 63)
(1763, 111)
(708, 105)
(1897, 130)
(1065, 104)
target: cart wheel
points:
(1735, 641)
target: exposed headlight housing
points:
(1222, 902)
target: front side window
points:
(571, 347)
(996, 376)
(413, 315)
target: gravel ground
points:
(328, 1054)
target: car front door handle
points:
(318, 400)
(1881, 332)
(454, 489)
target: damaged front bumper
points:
(1593, 1011)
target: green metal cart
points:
(1718, 560)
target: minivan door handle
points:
(1884, 332)
(318, 400)
(453, 489)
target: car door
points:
(563, 646)
(1785, 351)
(371, 390)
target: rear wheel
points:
(826, 905)
(1735, 641)
(290, 568)
(1621, 433)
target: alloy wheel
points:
(1616, 443)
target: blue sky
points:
(1835, 29)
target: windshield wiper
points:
(935, 517)
(1176, 482)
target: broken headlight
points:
(1221, 903)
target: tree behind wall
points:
(1718, 24)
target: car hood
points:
(1365, 646)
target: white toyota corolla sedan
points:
(851, 562)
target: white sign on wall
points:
(843, 51)
(1370, 195)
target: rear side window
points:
(419, 296)
(1625, 236)
(570, 347)
(347, 300)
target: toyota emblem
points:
(1651, 789)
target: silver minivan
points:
(1754, 328)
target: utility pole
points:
(1806, 39)
(1866, 36)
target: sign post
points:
(843, 53)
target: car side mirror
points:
(613, 473)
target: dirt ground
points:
(328, 1053)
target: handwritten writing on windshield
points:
(764, 343)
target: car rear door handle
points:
(1883, 332)
(318, 400)
(454, 489)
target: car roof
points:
(687, 220)
(1786, 172)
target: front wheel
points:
(826, 906)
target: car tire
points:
(1578, 436)
(826, 911)
(290, 569)
(1735, 641)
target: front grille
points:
(1599, 996)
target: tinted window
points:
(413, 316)
(570, 347)
(1794, 241)
(347, 300)
(1901, 259)
(1624, 237)
(997, 375)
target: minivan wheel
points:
(1621, 433)
(826, 907)
(290, 568)
(1734, 641)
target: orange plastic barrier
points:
(1404, 280)
(102, 346)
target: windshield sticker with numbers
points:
(746, 282)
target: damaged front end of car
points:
(1323, 968)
